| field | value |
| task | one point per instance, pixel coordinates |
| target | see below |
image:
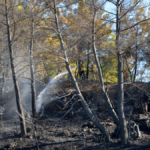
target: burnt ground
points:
(75, 131)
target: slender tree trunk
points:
(136, 57)
(107, 100)
(135, 71)
(120, 106)
(88, 60)
(33, 91)
(83, 102)
(16, 87)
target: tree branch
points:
(136, 24)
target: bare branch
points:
(136, 24)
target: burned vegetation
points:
(63, 124)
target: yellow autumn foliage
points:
(20, 7)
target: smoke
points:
(10, 107)
(23, 76)
(10, 98)
(21, 62)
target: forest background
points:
(75, 21)
(41, 38)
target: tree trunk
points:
(33, 91)
(16, 87)
(120, 106)
(106, 97)
(87, 70)
(135, 71)
(83, 102)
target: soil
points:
(57, 130)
